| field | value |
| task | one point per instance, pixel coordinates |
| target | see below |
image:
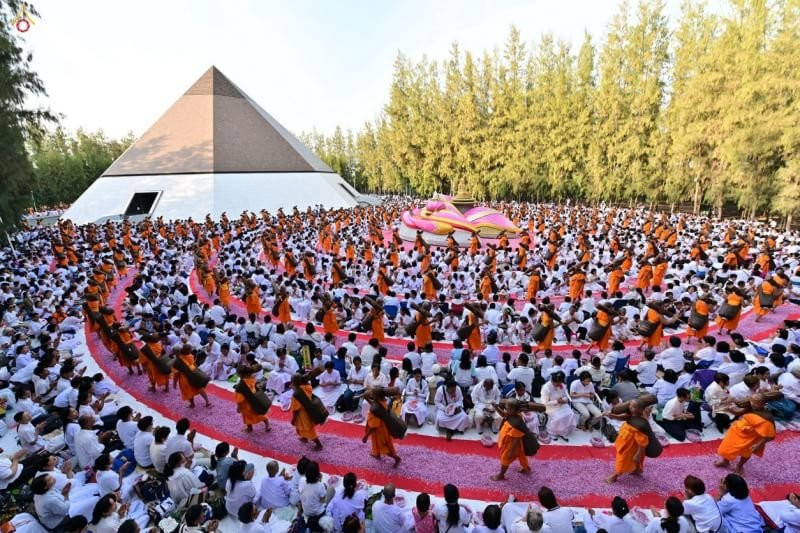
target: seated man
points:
(450, 413)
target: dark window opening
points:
(141, 203)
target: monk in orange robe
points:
(615, 279)
(577, 281)
(645, 276)
(301, 420)
(510, 440)
(702, 307)
(252, 300)
(151, 351)
(224, 292)
(181, 381)
(654, 339)
(428, 288)
(329, 322)
(243, 406)
(376, 430)
(486, 286)
(533, 284)
(768, 290)
(733, 298)
(603, 317)
(748, 435)
(630, 447)
(659, 271)
(547, 318)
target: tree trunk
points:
(789, 222)
(696, 199)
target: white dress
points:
(561, 419)
(415, 400)
(446, 417)
(330, 388)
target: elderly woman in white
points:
(450, 413)
(415, 398)
(181, 481)
(561, 419)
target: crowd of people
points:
(541, 334)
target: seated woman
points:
(181, 481)
(738, 511)
(582, 393)
(330, 386)
(450, 413)
(672, 520)
(561, 419)
(665, 388)
(415, 398)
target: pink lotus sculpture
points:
(441, 216)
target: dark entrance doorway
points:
(141, 203)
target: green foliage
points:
(18, 122)
(66, 165)
(708, 112)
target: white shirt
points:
(274, 492)
(523, 374)
(87, 447)
(704, 511)
(6, 477)
(179, 443)
(26, 434)
(387, 518)
(671, 359)
(141, 448)
(312, 497)
(646, 372)
(127, 432)
(440, 514)
(559, 519)
(158, 454)
(673, 409)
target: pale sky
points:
(118, 65)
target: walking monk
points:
(513, 437)
(376, 429)
(156, 365)
(249, 403)
(748, 435)
(301, 408)
(191, 381)
(630, 447)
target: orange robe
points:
(743, 435)
(576, 283)
(284, 311)
(628, 442)
(382, 443)
(547, 342)
(644, 278)
(658, 274)
(303, 424)
(702, 308)
(735, 300)
(155, 376)
(604, 320)
(474, 339)
(253, 302)
(510, 443)
(654, 316)
(248, 416)
(615, 278)
(428, 288)
(187, 390)
(423, 334)
(768, 289)
(224, 293)
(329, 323)
(486, 287)
(533, 286)
(377, 327)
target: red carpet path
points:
(575, 473)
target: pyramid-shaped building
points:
(215, 150)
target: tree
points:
(18, 121)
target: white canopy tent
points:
(214, 150)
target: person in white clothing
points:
(275, 491)
(484, 396)
(671, 519)
(450, 515)
(248, 519)
(700, 506)
(348, 501)
(583, 394)
(672, 358)
(240, 488)
(386, 516)
(450, 415)
(181, 481)
(561, 419)
(415, 398)
(88, 445)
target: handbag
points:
(646, 328)
(259, 402)
(197, 378)
(728, 311)
(411, 328)
(396, 425)
(765, 300)
(653, 448)
(464, 332)
(313, 406)
(539, 331)
(597, 330)
(697, 321)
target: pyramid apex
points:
(214, 82)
